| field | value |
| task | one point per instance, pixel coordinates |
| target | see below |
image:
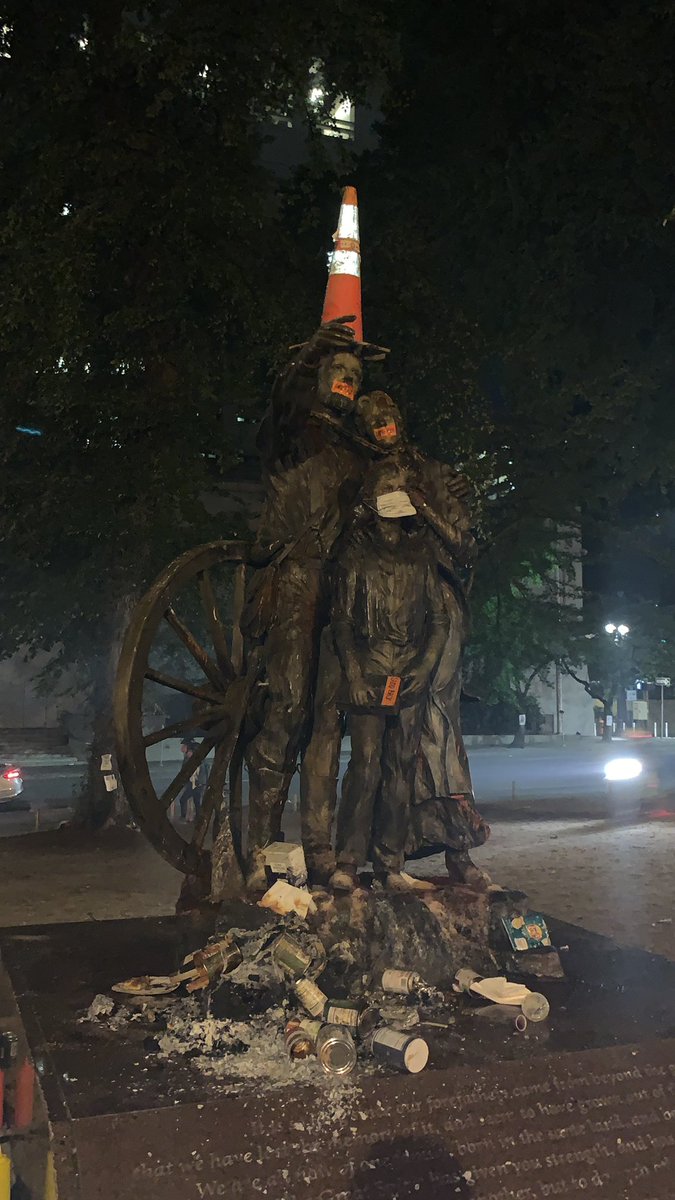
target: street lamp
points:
(617, 634)
(619, 631)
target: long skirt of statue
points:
(443, 814)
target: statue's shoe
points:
(399, 881)
(344, 878)
(462, 870)
(256, 875)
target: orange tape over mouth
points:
(391, 690)
(343, 389)
(386, 431)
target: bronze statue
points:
(313, 469)
(444, 815)
(377, 422)
(389, 624)
(344, 490)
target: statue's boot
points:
(344, 878)
(399, 881)
(268, 791)
(317, 807)
(462, 870)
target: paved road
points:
(537, 782)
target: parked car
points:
(11, 783)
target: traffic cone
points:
(343, 291)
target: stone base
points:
(433, 933)
(581, 1103)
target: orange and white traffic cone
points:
(343, 291)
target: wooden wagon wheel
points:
(183, 657)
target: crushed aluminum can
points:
(290, 956)
(311, 1028)
(401, 982)
(399, 1016)
(311, 997)
(464, 978)
(355, 1015)
(369, 1019)
(343, 1012)
(335, 1050)
(406, 1051)
(217, 958)
(298, 1042)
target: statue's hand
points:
(416, 682)
(418, 499)
(334, 335)
(360, 695)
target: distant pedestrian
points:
(190, 799)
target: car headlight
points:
(623, 768)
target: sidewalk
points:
(610, 877)
(47, 760)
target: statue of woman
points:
(444, 815)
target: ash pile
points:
(270, 1000)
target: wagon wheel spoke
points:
(237, 609)
(169, 731)
(182, 685)
(213, 793)
(236, 790)
(189, 767)
(215, 624)
(195, 648)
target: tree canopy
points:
(515, 259)
(148, 284)
(521, 268)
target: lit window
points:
(338, 121)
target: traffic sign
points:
(663, 681)
(631, 695)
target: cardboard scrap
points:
(283, 898)
(528, 932)
(499, 990)
(286, 859)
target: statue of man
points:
(389, 626)
(378, 422)
(313, 469)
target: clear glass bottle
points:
(535, 1007)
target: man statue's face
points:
(339, 380)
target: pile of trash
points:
(250, 1003)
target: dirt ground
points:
(615, 879)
